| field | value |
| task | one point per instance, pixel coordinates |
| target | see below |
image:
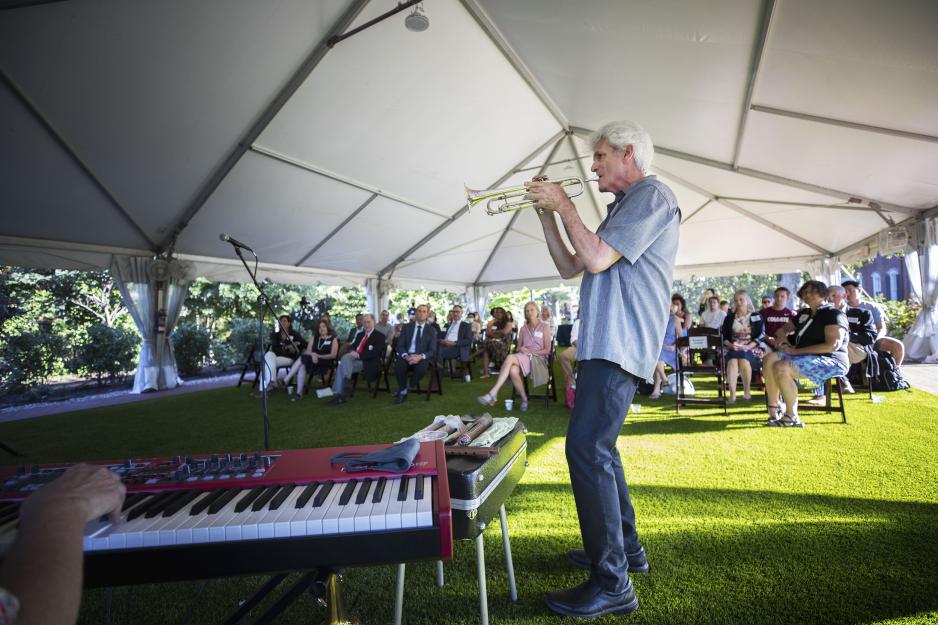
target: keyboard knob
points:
(21, 469)
(228, 458)
(266, 462)
(188, 459)
(243, 457)
(34, 469)
(128, 463)
(177, 459)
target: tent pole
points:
(891, 132)
(758, 55)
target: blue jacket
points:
(426, 345)
(757, 326)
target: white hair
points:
(836, 288)
(624, 133)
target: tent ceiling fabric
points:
(116, 116)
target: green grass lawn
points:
(742, 523)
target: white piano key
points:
(330, 520)
(265, 525)
(216, 531)
(425, 505)
(363, 514)
(314, 522)
(287, 511)
(379, 510)
(169, 532)
(394, 514)
(409, 510)
(347, 516)
(298, 521)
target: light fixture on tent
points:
(894, 241)
(417, 21)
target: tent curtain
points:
(137, 279)
(921, 342)
(377, 295)
(476, 299)
(826, 270)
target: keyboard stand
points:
(323, 585)
(480, 571)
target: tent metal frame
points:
(758, 55)
(842, 123)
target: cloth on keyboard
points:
(394, 459)
(499, 428)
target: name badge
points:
(803, 318)
(853, 319)
(755, 318)
(538, 335)
(371, 347)
(324, 343)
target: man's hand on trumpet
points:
(548, 196)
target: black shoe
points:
(336, 400)
(400, 398)
(638, 563)
(589, 600)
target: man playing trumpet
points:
(627, 267)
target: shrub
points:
(242, 335)
(901, 316)
(191, 345)
(28, 359)
(106, 351)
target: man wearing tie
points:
(416, 350)
(364, 355)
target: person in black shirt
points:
(318, 358)
(285, 347)
(818, 352)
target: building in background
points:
(885, 276)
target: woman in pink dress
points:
(534, 344)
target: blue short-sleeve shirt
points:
(624, 309)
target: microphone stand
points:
(263, 305)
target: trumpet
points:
(498, 201)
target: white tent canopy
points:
(791, 131)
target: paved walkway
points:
(922, 376)
(29, 411)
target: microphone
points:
(228, 239)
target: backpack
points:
(889, 378)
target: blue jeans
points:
(607, 519)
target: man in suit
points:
(352, 334)
(364, 355)
(456, 338)
(416, 350)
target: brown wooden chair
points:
(829, 405)
(703, 345)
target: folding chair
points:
(702, 344)
(829, 405)
(550, 389)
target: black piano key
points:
(418, 487)
(304, 497)
(277, 501)
(362, 495)
(248, 499)
(145, 506)
(320, 497)
(182, 502)
(132, 500)
(347, 493)
(158, 508)
(221, 502)
(402, 492)
(379, 489)
(262, 500)
(205, 502)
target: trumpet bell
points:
(510, 199)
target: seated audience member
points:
(668, 355)
(456, 340)
(431, 319)
(704, 301)
(384, 325)
(725, 306)
(352, 334)
(568, 356)
(41, 573)
(883, 342)
(548, 319)
(687, 319)
(817, 352)
(743, 338)
(476, 326)
(767, 302)
(713, 317)
(320, 353)
(416, 351)
(364, 355)
(777, 315)
(862, 330)
(534, 344)
(497, 334)
(285, 347)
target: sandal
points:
(790, 421)
(524, 405)
(655, 395)
(773, 419)
(486, 400)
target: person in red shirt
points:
(777, 315)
